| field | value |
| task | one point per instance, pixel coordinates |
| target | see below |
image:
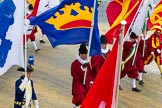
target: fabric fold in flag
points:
(11, 32)
(69, 23)
(140, 20)
(124, 10)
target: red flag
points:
(101, 93)
(155, 17)
(117, 11)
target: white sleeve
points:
(27, 27)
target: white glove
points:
(152, 53)
(23, 84)
(91, 82)
(158, 51)
(84, 66)
(36, 106)
(136, 40)
(134, 45)
(142, 35)
(36, 103)
(26, 79)
(145, 37)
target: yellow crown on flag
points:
(66, 17)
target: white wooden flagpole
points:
(118, 65)
(145, 32)
(90, 38)
(25, 45)
(119, 60)
(135, 53)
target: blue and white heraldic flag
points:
(11, 34)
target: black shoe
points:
(141, 82)
(161, 74)
(42, 41)
(136, 89)
(37, 50)
(120, 88)
(144, 72)
(137, 79)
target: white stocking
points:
(140, 76)
(74, 106)
(35, 46)
(133, 83)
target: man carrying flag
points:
(129, 65)
(31, 30)
(78, 68)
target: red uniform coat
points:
(154, 43)
(130, 70)
(140, 58)
(79, 90)
(139, 62)
(95, 65)
(146, 52)
(30, 36)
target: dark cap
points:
(30, 7)
(83, 49)
(103, 39)
(29, 69)
(133, 35)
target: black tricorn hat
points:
(30, 7)
(103, 39)
(83, 49)
(133, 35)
(29, 69)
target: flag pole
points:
(25, 46)
(90, 38)
(136, 47)
(25, 43)
(145, 32)
(144, 44)
(135, 53)
(118, 65)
